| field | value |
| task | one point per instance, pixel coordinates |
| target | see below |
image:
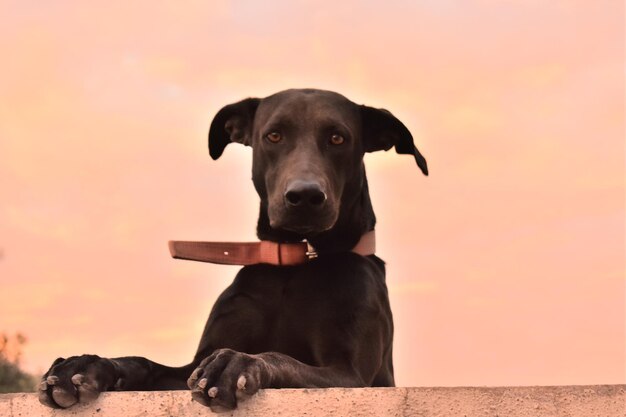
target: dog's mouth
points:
(305, 227)
(306, 230)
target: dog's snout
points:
(305, 194)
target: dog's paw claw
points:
(43, 385)
(241, 382)
(196, 373)
(191, 381)
(202, 383)
(52, 379)
(212, 392)
(78, 379)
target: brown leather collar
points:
(263, 252)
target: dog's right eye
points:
(274, 137)
(337, 139)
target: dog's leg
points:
(228, 376)
(80, 379)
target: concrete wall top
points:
(570, 401)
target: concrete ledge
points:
(574, 401)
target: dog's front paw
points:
(226, 377)
(78, 379)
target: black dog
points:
(323, 323)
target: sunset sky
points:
(506, 266)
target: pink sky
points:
(506, 266)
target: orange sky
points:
(506, 266)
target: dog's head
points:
(308, 148)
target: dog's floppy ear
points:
(382, 130)
(232, 124)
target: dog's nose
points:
(304, 194)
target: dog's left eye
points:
(336, 139)
(274, 137)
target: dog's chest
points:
(298, 310)
(312, 296)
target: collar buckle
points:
(310, 251)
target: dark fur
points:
(322, 324)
